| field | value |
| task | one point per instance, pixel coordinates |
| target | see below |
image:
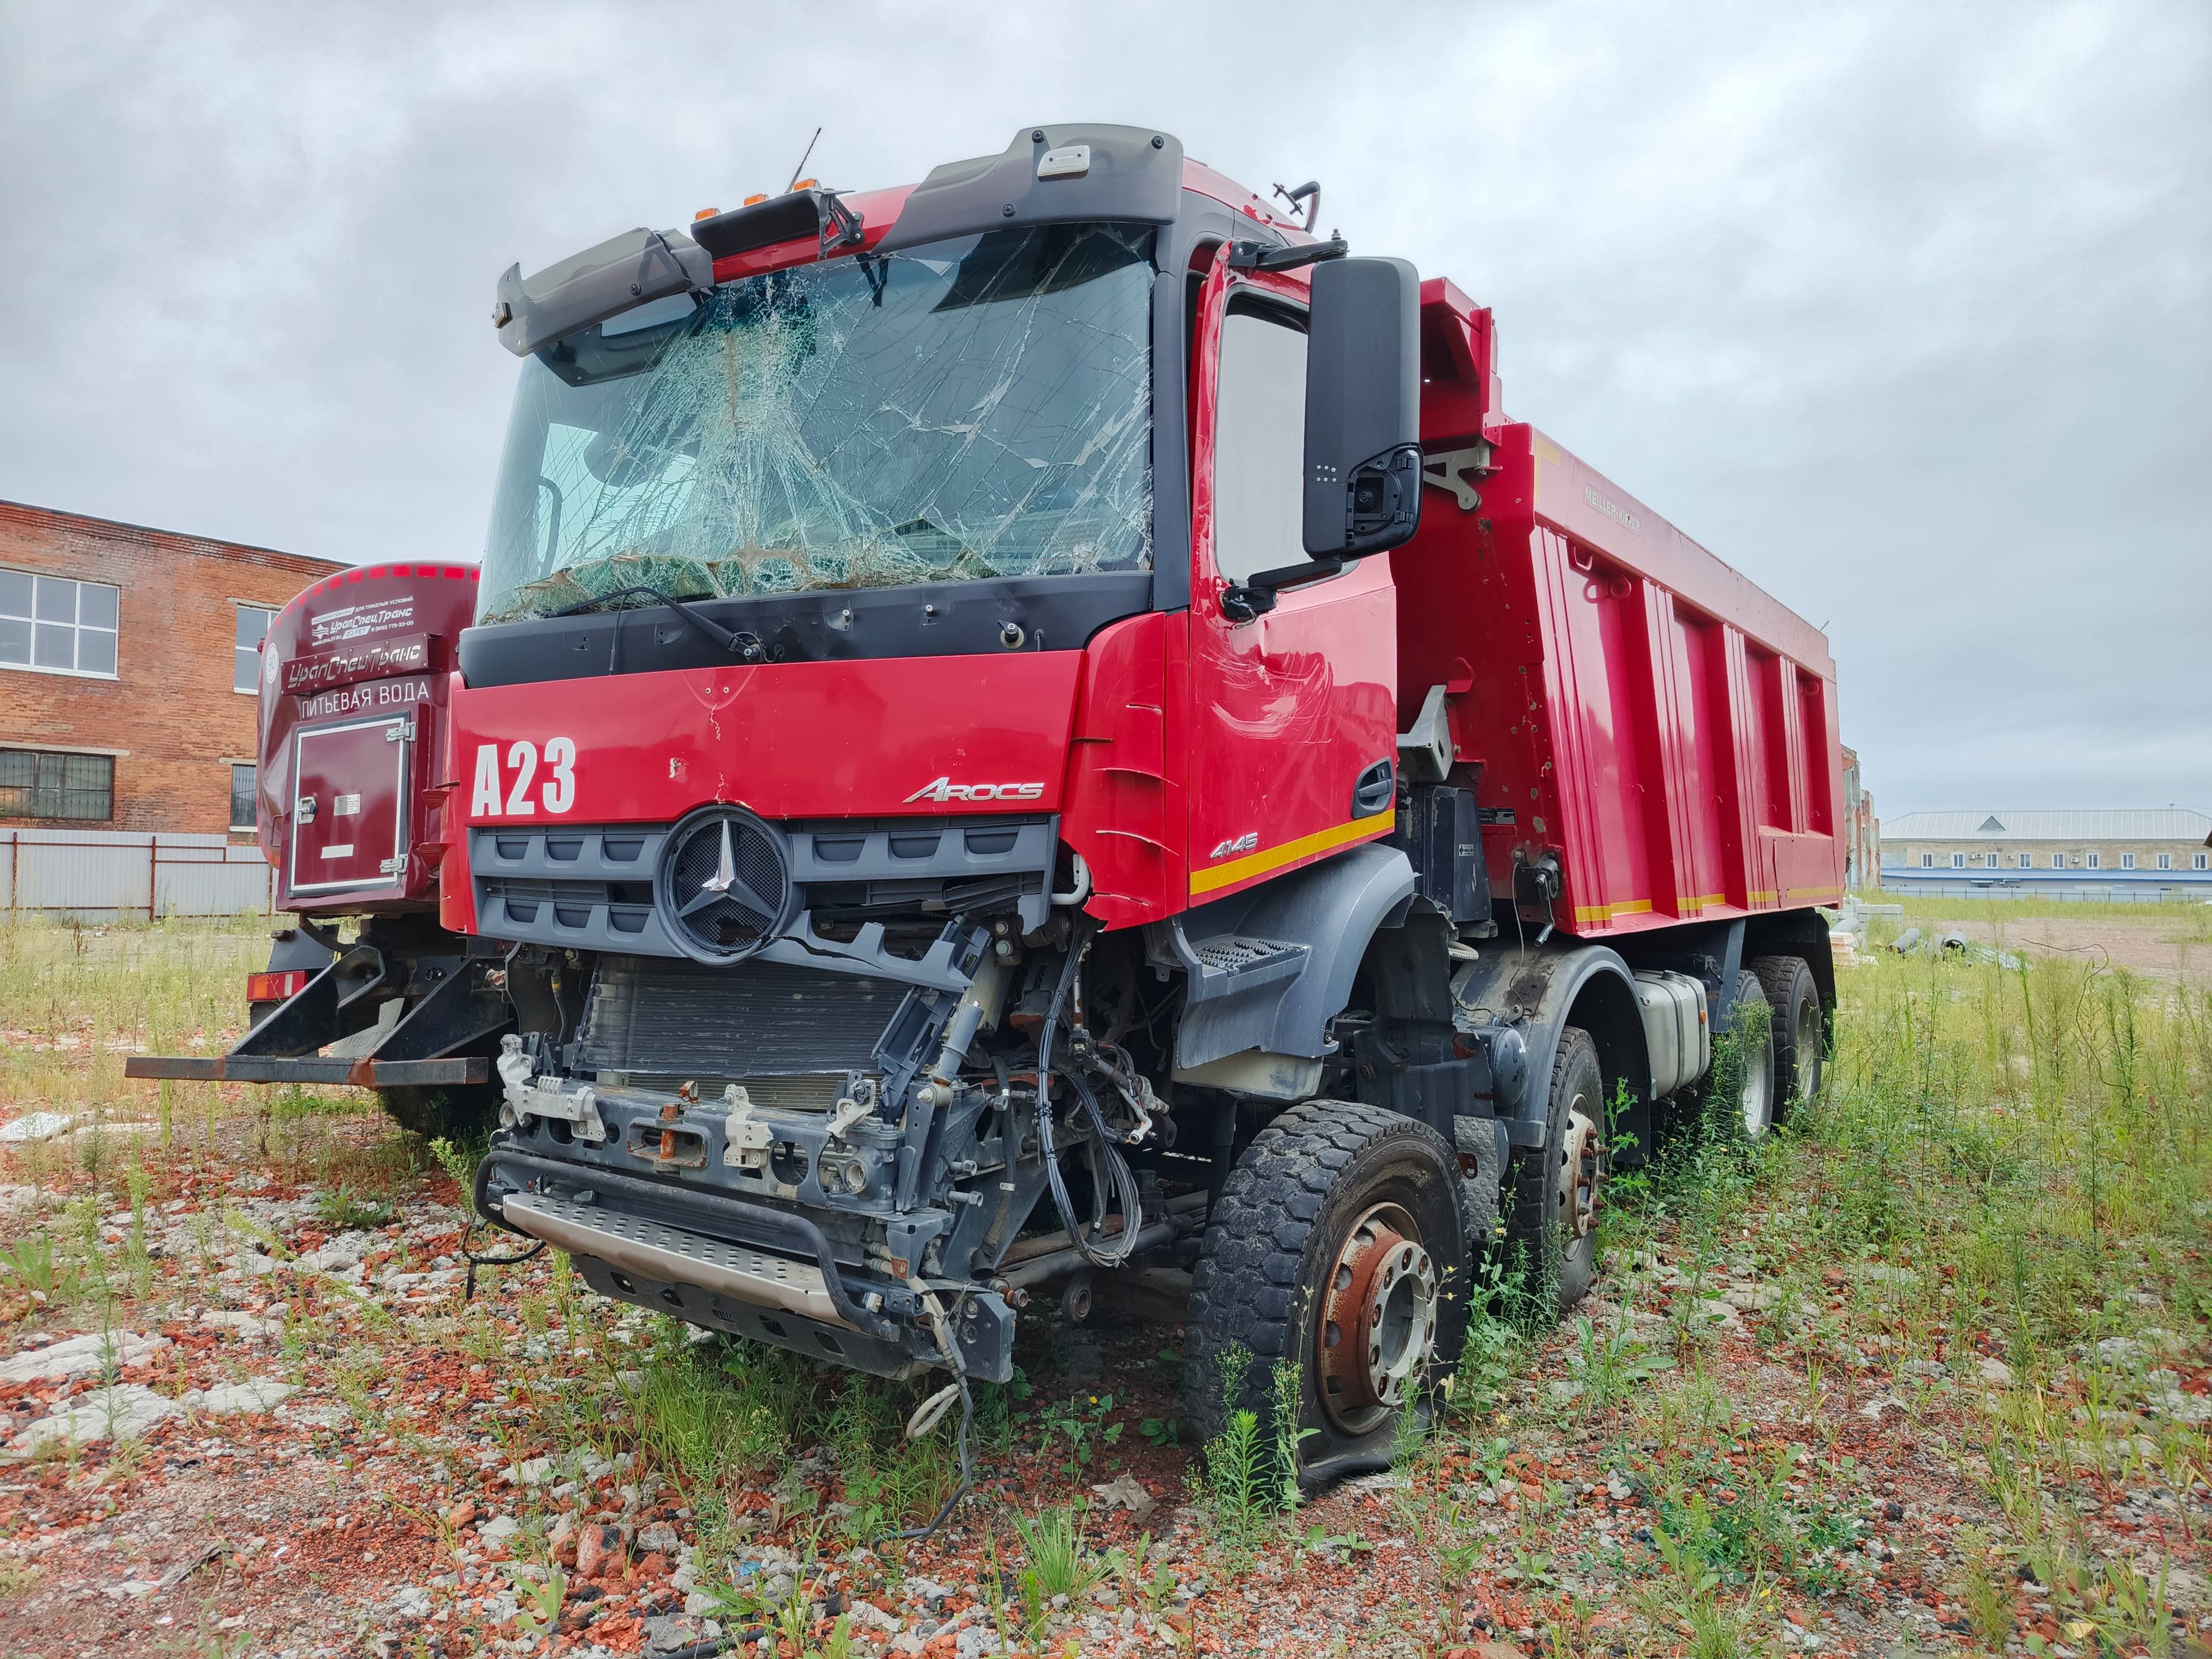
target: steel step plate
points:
(670, 1254)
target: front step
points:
(1229, 963)
(670, 1255)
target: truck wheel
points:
(460, 1108)
(1555, 1186)
(1801, 1047)
(1750, 1022)
(1336, 1244)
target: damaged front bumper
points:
(763, 1269)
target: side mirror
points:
(1363, 489)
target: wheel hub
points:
(1758, 1095)
(1378, 1320)
(1580, 1163)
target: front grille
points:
(618, 888)
(759, 1019)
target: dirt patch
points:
(2159, 947)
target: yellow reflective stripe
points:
(1608, 912)
(1274, 858)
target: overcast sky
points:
(1901, 309)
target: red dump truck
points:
(1047, 724)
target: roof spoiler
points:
(1048, 175)
(602, 282)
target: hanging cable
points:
(927, 1415)
(1116, 1168)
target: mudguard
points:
(1536, 990)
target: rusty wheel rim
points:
(1377, 1326)
(1582, 1160)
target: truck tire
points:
(467, 1108)
(1338, 1243)
(1801, 1035)
(1750, 1078)
(1555, 1186)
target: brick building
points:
(129, 673)
(2162, 852)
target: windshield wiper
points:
(746, 645)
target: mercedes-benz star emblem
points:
(726, 882)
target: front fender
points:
(1324, 913)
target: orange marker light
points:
(752, 201)
(807, 183)
(704, 213)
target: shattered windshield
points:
(968, 409)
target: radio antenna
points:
(801, 168)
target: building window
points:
(1993, 859)
(52, 625)
(1928, 861)
(241, 798)
(2027, 860)
(2127, 860)
(2058, 860)
(37, 784)
(1958, 861)
(2166, 861)
(2096, 860)
(245, 654)
(2200, 860)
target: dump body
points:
(1633, 702)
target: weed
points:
(1053, 1560)
(30, 1261)
(1237, 1492)
(1082, 1422)
(1987, 1598)
(1612, 1365)
(1152, 1588)
(540, 1602)
(344, 1209)
(1287, 1395)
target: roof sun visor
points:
(623, 272)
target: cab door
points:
(349, 826)
(1293, 717)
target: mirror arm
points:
(1255, 596)
(1266, 256)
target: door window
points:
(1259, 445)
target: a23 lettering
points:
(557, 792)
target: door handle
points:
(303, 810)
(1376, 792)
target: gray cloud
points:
(1901, 309)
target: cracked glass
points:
(970, 408)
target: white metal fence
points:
(100, 873)
(2176, 889)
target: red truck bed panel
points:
(1636, 705)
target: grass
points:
(2009, 1164)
